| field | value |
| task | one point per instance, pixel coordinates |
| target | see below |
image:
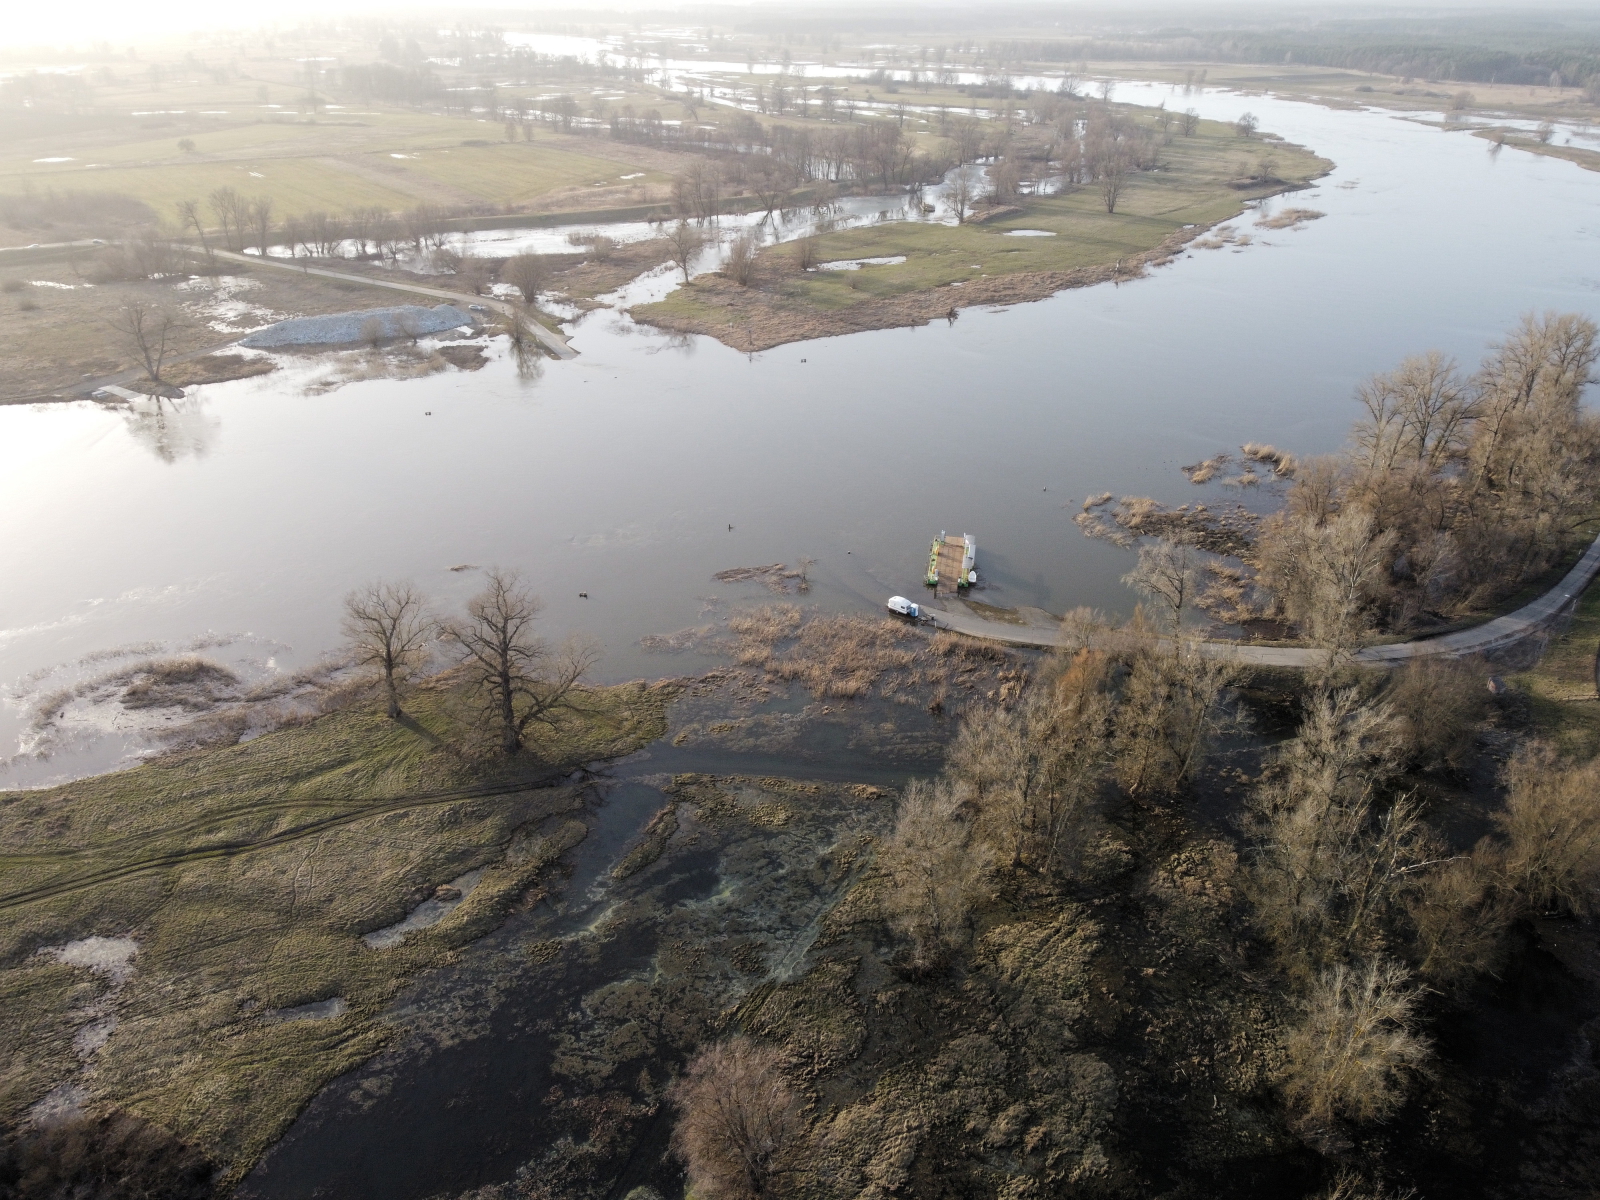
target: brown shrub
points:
(1437, 706)
(736, 1116)
(192, 683)
(115, 1157)
(1551, 825)
(933, 868)
(1357, 1045)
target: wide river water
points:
(635, 471)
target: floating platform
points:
(952, 564)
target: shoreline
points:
(767, 327)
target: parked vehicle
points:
(904, 607)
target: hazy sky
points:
(82, 22)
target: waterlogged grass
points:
(247, 875)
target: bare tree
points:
(1357, 1044)
(233, 214)
(741, 264)
(149, 329)
(521, 679)
(770, 184)
(526, 273)
(736, 1117)
(1421, 413)
(1327, 578)
(961, 197)
(526, 349)
(684, 241)
(1171, 712)
(1191, 122)
(1332, 867)
(932, 865)
(189, 218)
(472, 272)
(1247, 124)
(1035, 771)
(260, 214)
(1113, 175)
(387, 626)
(1167, 574)
(805, 252)
(1551, 859)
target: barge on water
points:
(952, 564)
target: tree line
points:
(1455, 490)
(1359, 919)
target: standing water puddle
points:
(430, 912)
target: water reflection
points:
(857, 448)
(173, 429)
(526, 351)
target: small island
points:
(1103, 215)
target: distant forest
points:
(1549, 54)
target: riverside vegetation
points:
(387, 194)
(1079, 193)
(206, 898)
(1455, 493)
(1156, 928)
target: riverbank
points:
(183, 940)
(906, 273)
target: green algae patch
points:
(247, 877)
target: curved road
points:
(552, 341)
(1034, 627)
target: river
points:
(635, 471)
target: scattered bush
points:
(1356, 1046)
(1437, 706)
(736, 1117)
(932, 867)
(741, 262)
(1551, 826)
(97, 212)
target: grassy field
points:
(1562, 685)
(1195, 185)
(61, 329)
(247, 876)
(302, 170)
(509, 172)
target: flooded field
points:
(236, 519)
